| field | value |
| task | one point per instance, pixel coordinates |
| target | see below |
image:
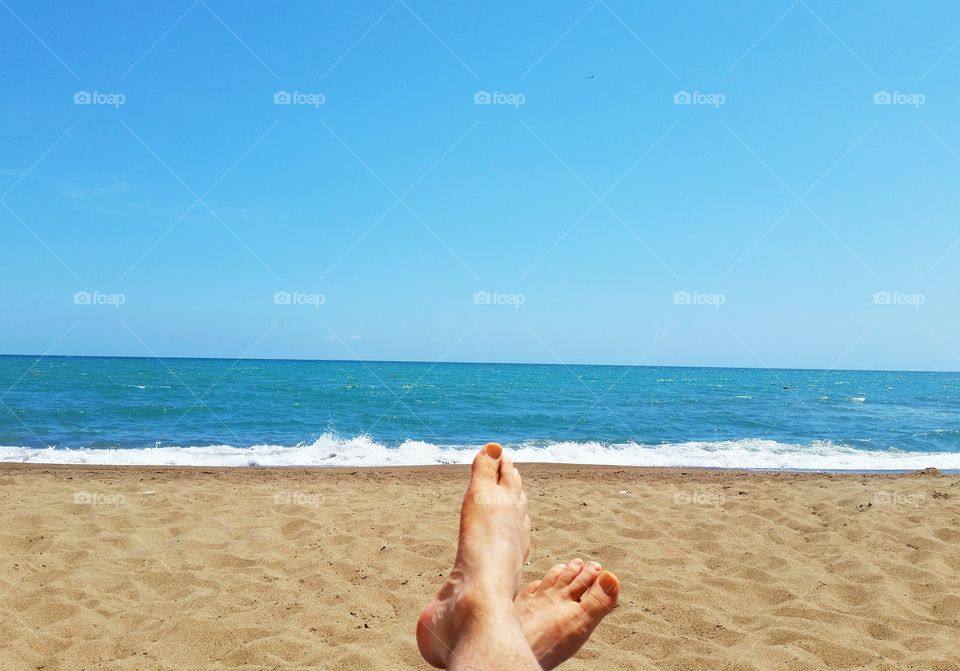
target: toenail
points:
(577, 562)
(493, 450)
(608, 583)
(594, 566)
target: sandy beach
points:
(187, 568)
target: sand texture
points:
(182, 568)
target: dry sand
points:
(177, 568)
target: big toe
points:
(486, 465)
(602, 596)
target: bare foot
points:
(559, 612)
(494, 543)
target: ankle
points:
(481, 604)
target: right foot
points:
(559, 612)
(493, 545)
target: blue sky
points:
(800, 210)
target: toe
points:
(532, 588)
(510, 479)
(586, 578)
(602, 595)
(487, 463)
(570, 571)
(550, 579)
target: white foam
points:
(329, 450)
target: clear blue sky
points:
(781, 199)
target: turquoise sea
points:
(278, 412)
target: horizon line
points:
(475, 363)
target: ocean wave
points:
(330, 450)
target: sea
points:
(220, 412)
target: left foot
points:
(559, 612)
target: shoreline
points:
(536, 465)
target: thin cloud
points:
(79, 192)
